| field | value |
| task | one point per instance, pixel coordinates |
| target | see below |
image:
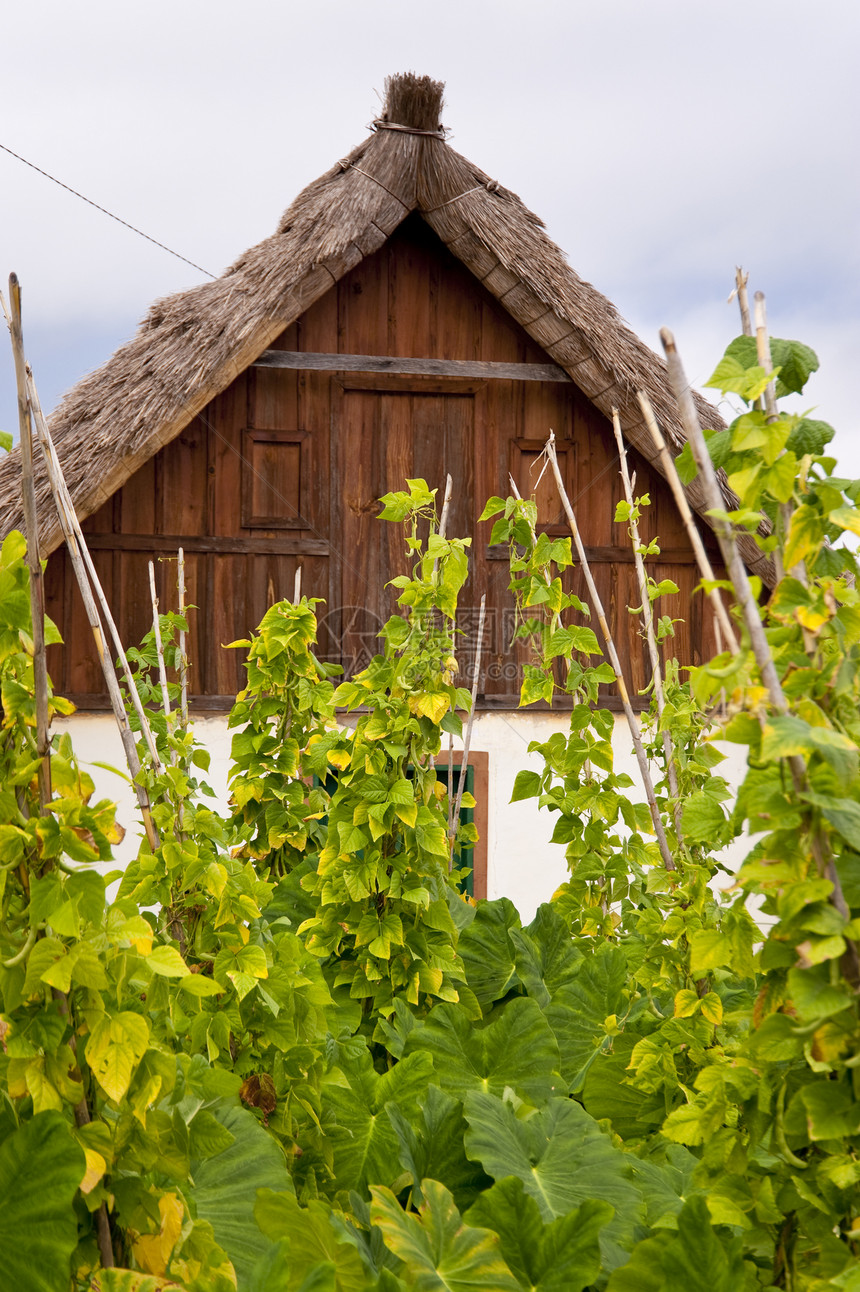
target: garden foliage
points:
(291, 1054)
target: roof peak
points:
(412, 102)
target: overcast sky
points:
(662, 142)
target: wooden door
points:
(381, 438)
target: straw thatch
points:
(194, 344)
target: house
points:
(409, 317)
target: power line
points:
(104, 211)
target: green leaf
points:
(546, 956)
(431, 1147)
(312, 1242)
(41, 1167)
(493, 506)
(512, 1047)
(5, 441)
(796, 363)
(562, 1256)
(362, 1139)
(563, 1159)
(703, 819)
(526, 786)
(580, 1008)
(167, 961)
(730, 375)
(487, 951)
(223, 1187)
(697, 1260)
(440, 1252)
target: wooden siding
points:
(285, 469)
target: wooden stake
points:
(612, 654)
(741, 280)
(65, 513)
(31, 524)
(69, 521)
(467, 738)
(183, 659)
(159, 645)
(762, 345)
(297, 586)
(446, 505)
(648, 621)
(747, 602)
(705, 567)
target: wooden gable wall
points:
(285, 467)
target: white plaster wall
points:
(521, 862)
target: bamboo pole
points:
(40, 675)
(159, 645)
(183, 661)
(705, 568)
(741, 280)
(446, 506)
(747, 602)
(34, 564)
(648, 622)
(612, 654)
(57, 482)
(762, 345)
(467, 738)
(67, 514)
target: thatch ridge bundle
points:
(193, 344)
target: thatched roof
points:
(194, 344)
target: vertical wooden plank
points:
(181, 470)
(314, 415)
(137, 501)
(362, 307)
(317, 329)
(273, 399)
(360, 531)
(409, 295)
(228, 416)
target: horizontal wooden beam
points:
(614, 555)
(97, 702)
(411, 367)
(205, 543)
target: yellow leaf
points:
(153, 1251)
(339, 758)
(433, 705)
(811, 619)
(686, 1003)
(114, 1049)
(96, 1167)
(712, 1008)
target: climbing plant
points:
(283, 1050)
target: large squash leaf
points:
(362, 1138)
(41, 1168)
(432, 1146)
(309, 1246)
(224, 1188)
(512, 1047)
(441, 1253)
(545, 955)
(488, 952)
(580, 1008)
(563, 1159)
(562, 1256)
